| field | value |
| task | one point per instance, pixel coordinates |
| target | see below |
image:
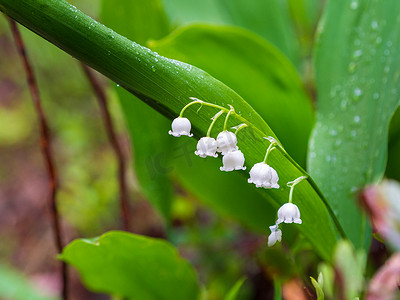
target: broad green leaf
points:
(357, 71)
(253, 68)
(15, 286)
(269, 19)
(127, 18)
(132, 266)
(233, 292)
(166, 85)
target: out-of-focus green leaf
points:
(132, 266)
(357, 71)
(15, 286)
(232, 294)
(127, 18)
(253, 68)
(318, 287)
(349, 266)
(269, 19)
(166, 85)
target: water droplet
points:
(313, 155)
(338, 142)
(333, 132)
(357, 93)
(357, 53)
(117, 85)
(378, 40)
(328, 158)
(354, 5)
(387, 69)
(376, 96)
(357, 119)
(353, 133)
(386, 52)
(389, 43)
(374, 25)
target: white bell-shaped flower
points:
(226, 142)
(206, 146)
(275, 236)
(181, 126)
(288, 213)
(262, 175)
(233, 160)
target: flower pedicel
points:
(207, 146)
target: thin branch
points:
(45, 143)
(108, 123)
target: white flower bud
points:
(206, 146)
(233, 160)
(226, 142)
(181, 126)
(275, 236)
(288, 213)
(262, 175)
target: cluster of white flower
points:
(261, 174)
(225, 143)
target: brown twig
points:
(45, 143)
(102, 99)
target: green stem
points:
(189, 104)
(270, 148)
(292, 184)
(214, 119)
(231, 111)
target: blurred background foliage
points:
(222, 232)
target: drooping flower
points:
(262, 175)
(226, 142)
(181, 126)
(275, 236)
(233, 160)
(289, 213)
(206, 146)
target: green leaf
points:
(14, 285)
(233, 292)
(132, 266)
(166, 85)
(349, 267)
(318, 287)
(267, 80)
(127, 17)
(357, 71)
(269, 19)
